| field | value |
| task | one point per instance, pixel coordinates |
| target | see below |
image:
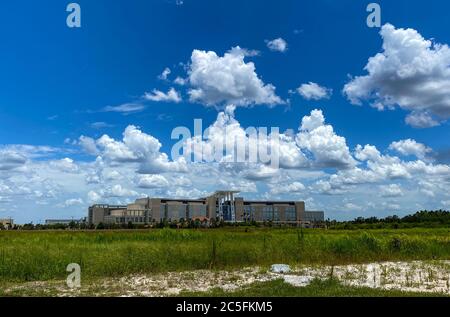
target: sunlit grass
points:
(317, 288)
(44, 255)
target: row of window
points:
(131, 219)
(182, 211)
(270, 213)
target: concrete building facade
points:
(7, 223)
(63, 221)
(221, 206)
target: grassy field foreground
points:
(318, 288)
(44, 255)
(275, 288)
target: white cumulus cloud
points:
(411, 72)
(228, 79)
(313, 91)
(166, 72)
(152, 181)
(278, 45)
(319, 139)
(156, 95)
(392, 190)
(410, 147)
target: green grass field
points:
(318, 288)
(275, 288)
(44, 255)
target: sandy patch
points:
(416, 276)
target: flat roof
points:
(182, 200)
(109, 206)
(221, 193)
(270, 202)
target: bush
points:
(395, 244)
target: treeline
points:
(58, 226)
(185, 224)
(423, 218)
(173, 224)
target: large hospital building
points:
(222, 205)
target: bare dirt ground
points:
(417, 276)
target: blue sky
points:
(57, 83)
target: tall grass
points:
(28, 256)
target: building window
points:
(162, 210)
(249, 213)
(276, 214)
(182, 212)
(267, 213)
(176, 212)
(227, 216)
(290, 214)
(197, 210)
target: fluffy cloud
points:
(411, 72)
(186, 193)
(29, 151)
(319, 139)
(116, 151)
(180, 81)
(113, 191)
(383, 166)
(421, 120)
(166, 72)
(259, 173)
(138, 147)
(295, 187)
(316, 145)
(156, 95)
(228, 79)
(111, 175)
(352, 207)
(152, 181)
(378, 168)
(313, 91)
(392, 190)
(278, 45)
(66, 165)
(119, 170)
(244, 186)
(410, 147)
(72, 202)
(223, 134)
(10, 159)
(88, 145)
(93, 197)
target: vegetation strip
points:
(43, 255)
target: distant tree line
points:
(166, 223)
(423, 218)
(57, 226)
(191, 224)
